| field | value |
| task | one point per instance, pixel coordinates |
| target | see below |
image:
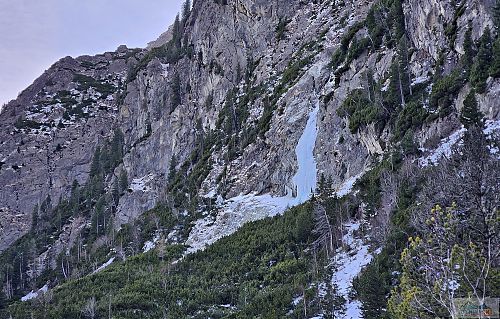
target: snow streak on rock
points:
(443, 150)
(347, 186)
(246, 208)
(445, 147)
(141, 184)
(104, 266)
(34, 294)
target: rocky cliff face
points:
(250, 74)
(50, 132)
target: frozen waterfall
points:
(239, 210)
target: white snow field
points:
(251, 207)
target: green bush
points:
(85, 82)
(281, 29)
(412, 116)
(445, 90)
(23, 123)
(360, 110)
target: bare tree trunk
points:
(401, 87)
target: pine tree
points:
(95, 167)
(96, 187)
(98, 216)
(177, 32)
(117, 148)
(395, 96)
(46, 207)
(74, 200)
(469, 52)
(404, 61)
(322, 183)
(470, 114)
(496, 15)
(399, 19)
(175, 87)
(372, 287)
(495, 63)
(115, 192)
(106, 158)
(34, 223)
(172, 171)
(123, 180)
(479, 73)
(186, 9)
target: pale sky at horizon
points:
(36, 33)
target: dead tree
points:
(323, 230)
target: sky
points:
(36, 33)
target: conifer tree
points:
(495, 63)
(34, 223)
(74, 200)
(479, 73)
(95, 167)
(171, 171)
(470, 114)
(123, 180)
(404, 61)
(399, 19)
(395, 97)
(186, 9)
(177, 32)
(469, 53)
(175, 87)
(116, 191)
(496, 16)
(117, 147)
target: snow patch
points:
(444, 149)
(165, 68)
(446, 145)
(210, 194)
(104, 266)
(349, 263)
(141, 184)
(491, 127)
(419, 80)
(34, 294)
(347, 186)
(234, 213)
(385, 88)
(150, 244)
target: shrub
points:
(411, 117)
(445, 90)
(359, 109)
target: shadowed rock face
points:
(42, 150)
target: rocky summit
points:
(262, 159)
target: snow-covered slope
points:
(349, 261)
